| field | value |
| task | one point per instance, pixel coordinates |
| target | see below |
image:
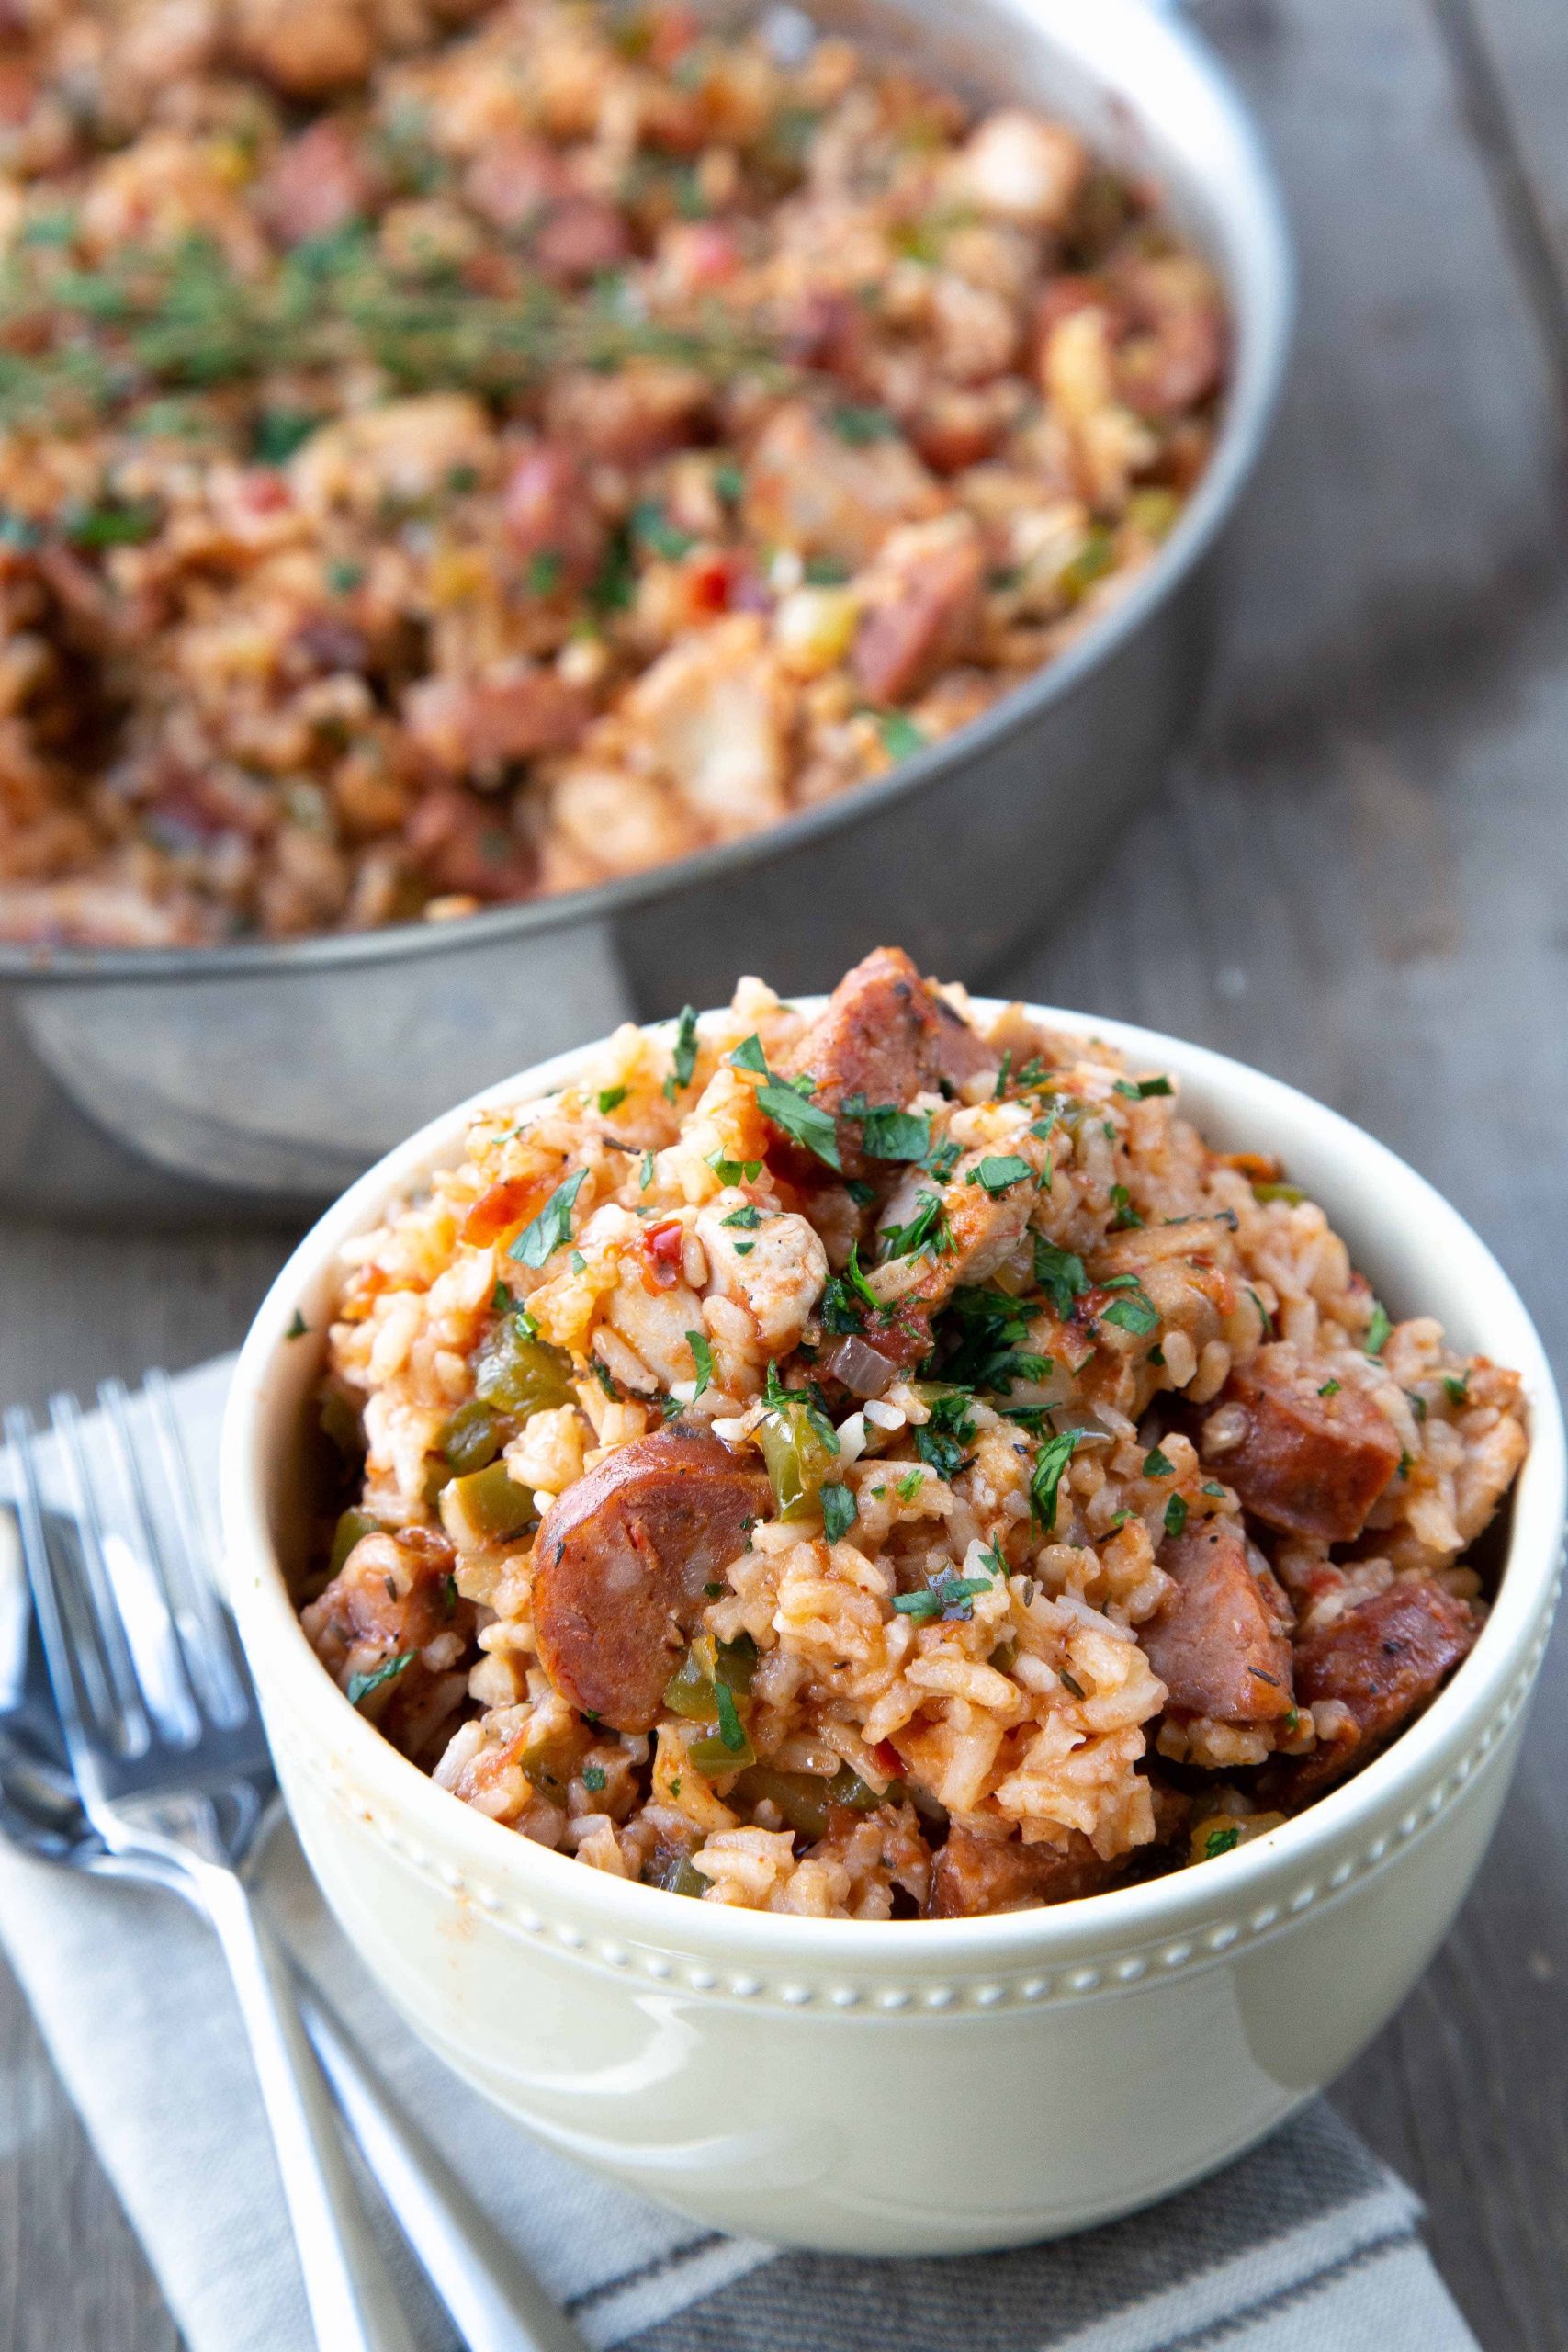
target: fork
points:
(171, 1763)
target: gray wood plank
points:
(1410, 484)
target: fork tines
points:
(139, 1647)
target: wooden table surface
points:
(1356, 880)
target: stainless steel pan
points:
(277, 1072)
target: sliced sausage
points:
(1218, 1643)
(885, 1034)
(924, 623)
(475, 727)
(975, 1874)
(620, 1562)
(1308, 1464)
(1381, 1662)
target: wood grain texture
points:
(1354, 881)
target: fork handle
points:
(354, 2303)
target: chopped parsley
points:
(1159, 1465)
(1263, 1315)
(998, 1173)
(651, 527)
(729, 481)
(785, 1103)
(910, 1486)
(746, 1218)
(1126, 1218)
(1140, 1090)
(1406, 1464)
(1211, 1487)
(989, 1327)
(840, 1310)
(744, 1248)
(552, 1226)
(927, 1230)
(902, 736)
(1378, 1331)
(1219, 1841)
(544, 573)
(594, 1777)
(947, 1595)
(942, 1160)
(1045, 1480)
(731, 1730)
(1059, 1274)
(826, 571)
(860, 426)
(1071, 1682)
(611, 1099)
(1135, 1312)
(735, 1171)
(645, 1174)
(1331, 1388)
(1418, 1403)
(1457, 1391)
(1175, 1515)
(685, 1060)
(702, 1356)
(297, 1329)
(861, 1192)
(837, 1512)
(361, 1685)
(943, 1442)
(887, 1133)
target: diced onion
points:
(862, 1371)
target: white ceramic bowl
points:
(910, 2086)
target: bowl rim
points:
(1264, 325)
(538, 1876)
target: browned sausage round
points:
(1381, 1661)
(620, 1562)
(885, 1034)
(1308, 1464)
(1218, 1642)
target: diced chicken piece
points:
(923, 604)
(639, 412)
(625, 823)
(774, 1270)
(1380, 1662)
(319, 181)
(714, 713)
(548, 513)
(307, 49)
(1219, 1642)
(884, 1035)
(394, 1598)
(974, 1874)
(810, 489)
(642, 1337)
(979, 1228)
(1020, 168)
(620, 1562)
(475, 726)
(1308, 1462)
(402, 453)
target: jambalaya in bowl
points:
(874, 1466)
(456, 453)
